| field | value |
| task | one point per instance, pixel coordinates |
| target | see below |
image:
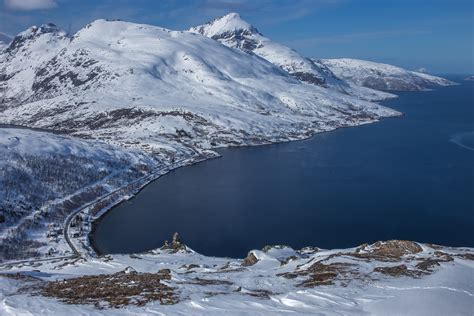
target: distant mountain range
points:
(382, 76)
(345, 75)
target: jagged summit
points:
(39, 30)
(232, 31)
(48, 32)
(231, 22)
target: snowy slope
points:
(42, 178)
(141, 85)
(382, 76)
(24, 54)
(385, 278)
(232, 31)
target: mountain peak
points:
(230, 22)
(231, 16)
(45, 32)
(38, 30)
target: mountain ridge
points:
(383, 76)
(231, 30)
(115, 76)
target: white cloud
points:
(30, 4)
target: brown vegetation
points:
(114, 290)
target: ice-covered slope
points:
(382, 76)
(141, 85)
(232, 31)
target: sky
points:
(433, 34)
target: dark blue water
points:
(404, 178)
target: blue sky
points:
(432, 34)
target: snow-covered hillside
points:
(22, 57)
(157, 89)
(382, 76)
(43, 177)
(385, 278)
(232, 31)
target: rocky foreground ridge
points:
(276, 279)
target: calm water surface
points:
(405, 178)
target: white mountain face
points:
(232, 31)
(22, 57)
(382, 76)
(161, 90)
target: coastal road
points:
(76, 253)
(148, 177)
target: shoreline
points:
(107, 210)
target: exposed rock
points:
(175, 246)
(129, 270)
(427, 264)
(390, 250)
(260, 293)
(396, 271)
(320, 273)
(113, 290)
(466, 256)
(250, 260)
(287, 260)
(204, 282)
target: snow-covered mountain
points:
(232, 31)
(23, 56)
(162, 90)
(382, 76)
